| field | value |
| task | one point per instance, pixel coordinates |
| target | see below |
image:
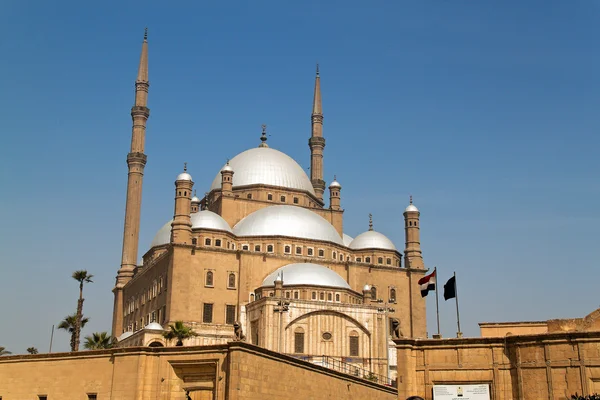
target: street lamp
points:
(386, 310)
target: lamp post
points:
(281, 307)
(386, 310)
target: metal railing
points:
(347, 365)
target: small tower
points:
(279, 285)
(195, 203)
(317, 141)
(227, 180)
(334, 194)
(181, 227)
(366, 293)
(412, 252)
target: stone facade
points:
(531, 367)
(235, 371)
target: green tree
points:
(68, 324)
(32, 350)
(180, 332)
(4, 352)
(99, 340)
(82, 277)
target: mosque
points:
(263, 257)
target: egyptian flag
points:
(427, 283)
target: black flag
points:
(450, 289)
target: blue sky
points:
(487, 112)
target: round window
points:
(326, 336)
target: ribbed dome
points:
(266, 166)
(306, 274)
(372, 240)
(347, 240)
(202, 219)
(284, 220)
(154, 326)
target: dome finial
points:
(184, 167)
(335, 177)
(317, 69)
(194, 192)
(263, 137)
(145, 34)
(370, 222)
(411, 199)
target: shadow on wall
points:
(415, 398)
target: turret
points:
(279, 286)
(317, 141)
(181, 227)
(412, 252)
(195, 203)
(227, 180)
(366, 293)
(334, 194)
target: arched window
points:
(299, 340)
(358, 259)
(341, 257)
(231, 281)
(282, 199)
(354, 345)
(373, 292)
(337, 297)
(334, 254)
(270, 248)
(310, 252)
(295, 200)
(321, 296)
(287, 249)
(269, 196)
(249, 195)
(298, 249)
(251, 297)
(207, 242)
(321, 253)
(194, 241)
(296, 295)
(245, 247)
(380, 260)
(388, 261)
(392, 295)
(218, 242)
(257, 247)
(329, 297)
(209, 278)
(314, 295)
(368, 259)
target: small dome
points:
(195, 199)
(335, 185)
(306, 274)
(184, 176)
(266, 166)
(227, 168)
(201, 220)
(155, 326)
(124, 336)
(411, 207)
(372, 240)
(347, 240)
(366, 288)
(285, 220)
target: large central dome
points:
(291, 221)
(266, 166)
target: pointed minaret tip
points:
(143, 68)
(317, 107)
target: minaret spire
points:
(316, 141)
(136, 161)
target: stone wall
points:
(233, 371)
(532, 367)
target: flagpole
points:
(437, 305)
(459, 333)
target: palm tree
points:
(80, 276)
(68, 324)
(99, 340)
(4, 352)
(32, 350)
(180, 332)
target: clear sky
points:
(487, 112)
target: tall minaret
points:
(136, 161)
(317, 142)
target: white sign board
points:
(461, 392)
